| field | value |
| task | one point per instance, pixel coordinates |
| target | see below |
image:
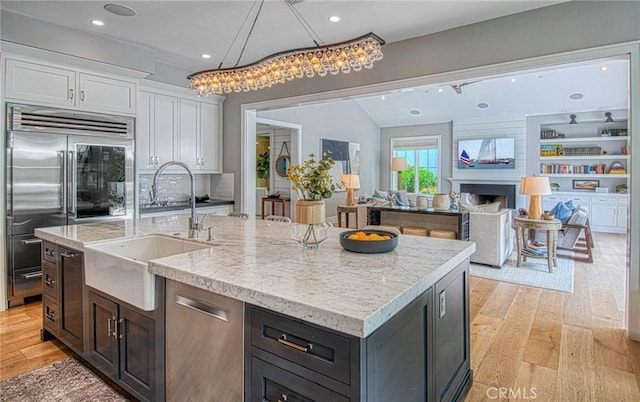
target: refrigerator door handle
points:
(63, 192)
(71, 205)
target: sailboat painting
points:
(493, 153)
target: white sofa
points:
(493, 235)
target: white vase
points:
(441, 202)
(422, 202)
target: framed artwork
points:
(586, 184)
(345, 154)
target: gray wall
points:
(344, 121)
(442, 129)
(560, 28)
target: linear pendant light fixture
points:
(354, 54)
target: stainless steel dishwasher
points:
(204, 339)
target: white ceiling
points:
(179, 31)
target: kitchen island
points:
(328, 322)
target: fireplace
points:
(486, 193)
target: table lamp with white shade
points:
(535, 187)
(399, 164)
(351, 182)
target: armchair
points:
(493, 235)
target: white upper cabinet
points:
(39, 83)
(107, 94)
(200, 139)
(189, 132)
(210, 141)
(156, 130)
(177, 121)
(66, 87)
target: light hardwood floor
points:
(560, 346)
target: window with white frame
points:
(422, 154)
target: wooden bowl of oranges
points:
(368, 241)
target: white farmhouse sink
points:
(120, 267)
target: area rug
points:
(533, 272)
(64, 380)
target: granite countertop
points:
(258, 262)
(181, 205)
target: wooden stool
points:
(415, 230)
(443, 234)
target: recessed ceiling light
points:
(334, 18)
(383, 97)
(119, 9)
(205, 56)
(540, 77)
(415, 112)
(482, 105)
(97, 23)
(576, 96)
(604, 68)
(513, 80)
(440, 90)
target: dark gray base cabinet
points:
(62, 303)
(420, 354)
(127, 344)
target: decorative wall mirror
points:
(283, 161)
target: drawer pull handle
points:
(202, 308)
(49, 252)
(283, 398)
(32, 275)
(51, 315)
(285, 342)
(49, 281)
(31, 241)
(68, 254)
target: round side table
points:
(524, 226)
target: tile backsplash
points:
(177, 187)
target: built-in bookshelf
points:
(586, 155)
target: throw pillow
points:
(563, 211)
(381, 195)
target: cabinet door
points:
(72, 281)
(189, 129)
(210, 143)
(137, 336)
(103, 344)
(621, 221)
(39, 83)
(402, 345)
(165, 127)
(106, 95)
(604, 217)
(144, 131)
(451, 354)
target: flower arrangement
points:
(311, 180)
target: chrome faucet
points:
(194, 225)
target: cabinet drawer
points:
(554, 199)
(308, 346)
(50, 280)
(50, 252)
(579, 200)
(623, 201)
(50, 315)
(603, 200)
(272, 384)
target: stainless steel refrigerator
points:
(63, 167)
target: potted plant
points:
(263, 168)
(312, 183)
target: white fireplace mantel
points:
(498, 180)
